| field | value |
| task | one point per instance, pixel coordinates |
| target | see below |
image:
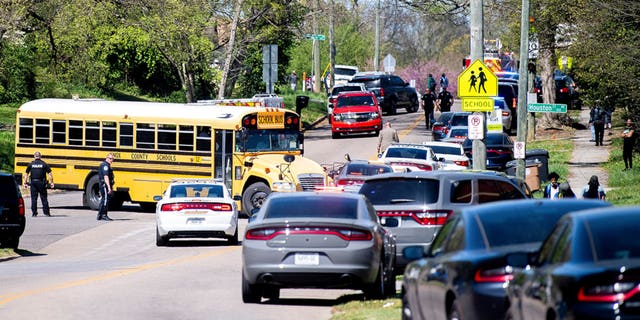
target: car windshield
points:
(410, 153)
(197, 191)
(446, 150)
(268, 140)
(312, 206)
(531, 227)
(366, 169)
(401, 191)
(355, 101)
(619, 244)
(337, 90)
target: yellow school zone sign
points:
(477, 81)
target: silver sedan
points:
(316, 240)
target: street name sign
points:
(477, 81)
(480, 104)
(547, 107)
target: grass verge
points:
(368, 309)
(625, 184)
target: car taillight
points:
(505, 114)
(498, 151)
(617, 292)
(424, 217)
(21, 206)
(515, 103)
(462, 163)
(348, 182)
(423, 167)
(195, 206)
(564, 90)
(343, 233)
(502, 274)
(445, 130)
(382, 92)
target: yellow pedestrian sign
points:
(477, 81)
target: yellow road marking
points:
(403, 133)
(70, 284)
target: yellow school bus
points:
(254, 145)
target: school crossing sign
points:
(476, 85)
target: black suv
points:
(12, 220)
(391, 91)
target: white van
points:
(344, 74)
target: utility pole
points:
(316, 50)
(332, 47)
(376, 57)
(479, 149)
(523, 84)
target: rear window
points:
(495, 139)
(368, 82)
(346, 71)
(401, 191)
(615, 245)
(524, 227)
(312, 207)
(446, 150)
(197, 191)
(407, 153)
(8, 188)
(460, 120)
(366, 169)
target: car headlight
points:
(337, 117)
(283, 186)
(374, 115)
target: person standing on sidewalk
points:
(387, 136)
(36, 178)
(593, 190)
(629, 140)
(106, 187)
(597, 118)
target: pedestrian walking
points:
(429, 104)
(445, 101)
(293, 80)
(388, 135)
(431, 83)
(36, 178)
(597, 118)
(629, 140)
(105, 173)
(593, 190)
(444, 82)
(552, 190)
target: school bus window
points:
(75, 132)
(92, 133)
(167, 136)
(108, 134)
(185, 136)
(59, 129)
(145, 135)
(26, 130)
(203, 140)
(42, 131)
(126, 134)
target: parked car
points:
(455, 119)
(391, 91)
(421, 202)
(499, 150)
(566, 91)
(356, 112)
(587, 268)
(509, 91)
(343, 73)
(464, 272)
(352, 175)
(500, 106)
(336, 90)
(452, 153)
(193, 208)
(316, 240)
(456, 134)
(440, 127)
(405, 157)
(12, 218)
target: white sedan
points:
(192, 208)
(405, 157)
(452, 153)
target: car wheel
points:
(376, 290)
(509, 314)
(393, 106)
(454, 313)
(407, 311)
(254, 196)
(335, 135)
(377, 133)
(161, 241)
(250, 292)
(233, 240)
(10, 243)
(389, 283)
(414, 105)
(271, 293)
(92, 193)
(148, 206)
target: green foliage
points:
(625, 184)
(17, 78)
(7, 150)
(368, 309)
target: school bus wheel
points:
(254, 196)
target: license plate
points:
(195, 220)
(307, 259)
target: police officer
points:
(106, 187)
(36, 174)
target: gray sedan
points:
(316, 240)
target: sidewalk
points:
(586, 159)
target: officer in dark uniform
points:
(106, 187)
(36, 178)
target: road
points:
(73, 266)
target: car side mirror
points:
(379, 155)
(157, 198)
(441, 159)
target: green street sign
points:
(547, 107)
(319, 37)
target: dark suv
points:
(12, 220)
(391, 91)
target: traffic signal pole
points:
(479, 149)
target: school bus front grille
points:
(309, 181)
